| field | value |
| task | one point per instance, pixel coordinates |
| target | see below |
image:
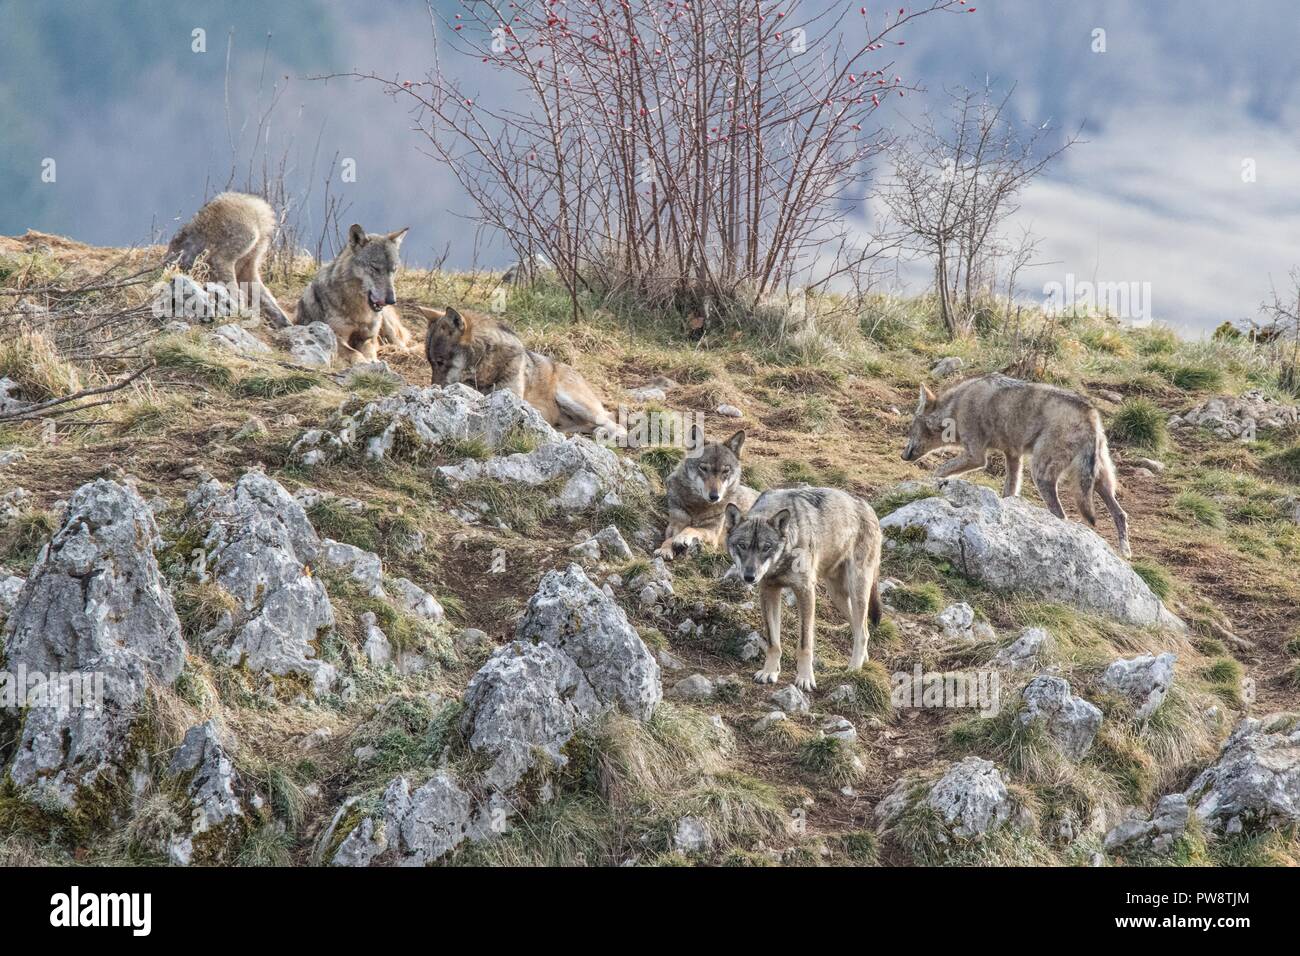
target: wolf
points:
(233, 231)
(354, 295)
(795, 538)
(1058, 429)
(699, 491)
(478, 350)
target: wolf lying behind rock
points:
(1058, 429)
(795, 538)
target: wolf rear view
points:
(1059, 430)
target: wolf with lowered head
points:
(699, 491)
(1059, 430)
(798, 538)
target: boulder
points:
(695, 687)
(1255, 783)
(790, 699)
(1011, 545)
(257, 548)
(591, 472)
(606, 545)
(1142, 680)
(1070, 721)
(1157, 833)
(313, 344)
(971, 800)
(235, 338)
(205, 771)
(94, 615)
(1025, 651)
(363, 566)
(414, 826)
(413, 599)
(10, 587)
(948, 366)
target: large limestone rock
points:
(94, 609)
(1255, 783)
(258, 547)
(414, 826)
(570, 613)
(970, 798)
(207, 773)
(1011, 545)
(1070, 721)
(423, 419)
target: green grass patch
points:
(1139, 423)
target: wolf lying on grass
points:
(233, 232)
(796, 538)
(478, 350)
(699, 491)
(1058, 429)
(354, 295)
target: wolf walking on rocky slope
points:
(1058, 429)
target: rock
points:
(1025, 652)
(1166, 825)
(1255, 783)
(414, 827)
(95, 612)
(10, 397)
(844, 694)
(790, 699)
(647, 393)
(608, 545)
(376, 648)
(947, 366)
(841, 728)
(691, 835)
(971, 798)
(363, 566)
(765, 722)
(257, 548)
(377, 368)
(572, 614)
(10, 587)
(1115, 398)
(527, 701)
(1071, 722)
(654, 585)
(1150, 464)
(235, 338)
(313, 344)
(956, 621)
(471, 641)
(251, 429)
(695, 687)
(1011, 545)
(414, 600)
(1143, 681)
(415, 421)
(669, 661)
(753, 647)
(1232, 416)
(730, 411)
(13, 503)
(208, 776)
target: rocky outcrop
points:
(96, 621)
(1143, 681)
(1011, 545)
(216, 815)
(258, 548)
(574, 658)
(1156, 833)
(1231, 416)
(1070, 721)
(1255, 783)
(971, 800)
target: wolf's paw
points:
(806, 682)
(766, 676)
(665, 551)
(684, 542)
(1125, 550)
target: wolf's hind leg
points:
(859, 594)
(1106, 488)
(1046, 485)
(1015, 470)
(770, 600)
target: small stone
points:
(695, 687)
(790, 699)
(765, 722)
(730, 411)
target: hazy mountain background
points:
(1185, 92)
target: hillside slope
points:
(710, 777)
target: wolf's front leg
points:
(769, 597)
(806, 595)
(966, 461)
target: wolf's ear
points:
(736, 442)
(455, 318)
(432, 315)
(779, 520)
(927, 399)
(732, 517)
(399, 235)
(356, 235)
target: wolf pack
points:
(800, 538)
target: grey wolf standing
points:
(478, 350)
(699, 490)
(1058, 429)
(354, 295)
(794, 538)
(234, 231)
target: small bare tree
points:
(695, 152)
(1282, 330)
(955, 183)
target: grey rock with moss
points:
(1255, 783)
(210, 785)
(363, 566)
(1143, 681)
(414, 826)
(313, 344)
(1156, 833)
(94, 609)
(235, 338)
(257, 548)
(1070, 721)
(10, 587)
(1014, 546)
(970, 800)
(1026, 651)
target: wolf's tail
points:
(1092, 458)
(875, 610)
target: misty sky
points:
(1185, 97)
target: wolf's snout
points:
(749, 577)
(390, 299)
(376, 303)
(714, 496)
